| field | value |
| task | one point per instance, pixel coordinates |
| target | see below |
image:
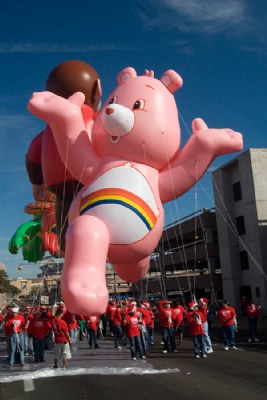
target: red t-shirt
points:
(166, 317)
(111, 309)
(226, 316)
(195, 321)
(132, 325)
(38, 327)
(92, 322)
(70, 320)
(152, 316)
(61, 331)
(117, 320)
(146, 316)
(252, 310)
(14, 324)
(178, 315)
(204, 312)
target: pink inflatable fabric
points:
(130, 163)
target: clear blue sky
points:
(218, 47)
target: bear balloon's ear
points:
(171, 80)
(126, 73)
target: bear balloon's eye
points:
(113, 100)
(139, 105)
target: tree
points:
(5, 286)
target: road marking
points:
(28, 385)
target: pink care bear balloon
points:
(129, 163)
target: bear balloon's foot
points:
(85, 297)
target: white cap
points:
(15, 309)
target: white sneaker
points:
(234, 347)
(164, 351)
(197, 356)
(256, 340)
(249, 340)
(134, 358)
(119, 347)
(161, 342)
(204, 355)
(210, 351)
(226, 348)
(143, 357)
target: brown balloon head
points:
(75, 76)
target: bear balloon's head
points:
(139, 121)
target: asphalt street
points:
(107, 373)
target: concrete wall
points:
(248, 169)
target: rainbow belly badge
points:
(124, 201)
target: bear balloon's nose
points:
(109, 110)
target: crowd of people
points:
(30, 330)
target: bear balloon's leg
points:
(133, 272)
(83, 282)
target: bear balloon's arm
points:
(72, 139)
(193, 161)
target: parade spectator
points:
(195, 320)
(203, 308)
(14, 328)
(227, 316)
(133, 333)
(253, 314)
(38, 328)
(62, 339)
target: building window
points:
(237, 191)
(240, 225)
(258, 292)
(244, 260)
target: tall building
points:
(240, 191)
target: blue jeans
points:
(119, 339)
(199, 347)
(206, 338)
(169, 339)
(253, 326)
(16, 343)
(92, 338)
(229, 335)
(73, 336)
(136, 346)
(28, 343)
(38, 348)
(144, 339)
